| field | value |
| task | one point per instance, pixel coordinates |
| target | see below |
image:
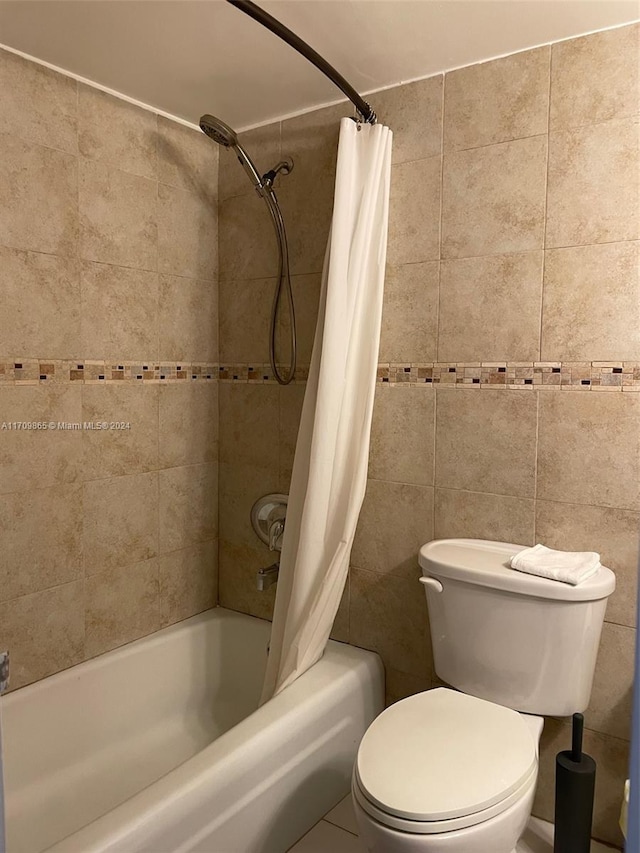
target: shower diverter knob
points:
(268, 515)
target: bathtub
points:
(160, 747)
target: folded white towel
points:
(572, 567)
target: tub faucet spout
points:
(267, 577)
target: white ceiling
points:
(187, 57)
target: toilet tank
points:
(515, 639)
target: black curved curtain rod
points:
(364, 109)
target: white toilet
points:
(455, 772)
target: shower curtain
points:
(330, 467)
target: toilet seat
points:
(444, 760)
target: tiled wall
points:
(108, 272)
(513, 259)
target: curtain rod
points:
(364, 109)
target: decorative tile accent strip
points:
(258, 374)
(540, 375)
(88, 372)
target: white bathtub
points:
(158, 747)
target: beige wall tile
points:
(188, 506)
(38, 104)
(187, 233)
(593, 184)
(486, 441)
(120, 522)
(414, 212)
(247, 240)
(291, 400)
(307, 208)
(38, 198)
(414, 114)
(472, 515)
(612, 757)
(490, 308)
(118, 217)
(44, 632)
(389, 615)
(306, 195)
(497, 101)
(122, 605)
(410, 313)
(116, 132)
(188, 581)
(395, 521)
(237, 586)
(249, 425)
(306, 297)
(613, 533)
(40, 539)
(31, 459)
(263, 146)
(240, 487)
(589, 449)
(187, 158)
(114, 452)
(119, 313)
(188, 424)
(245, 315)
(402, 434)
(35, 289)
(187, 319)
(595, 78)
(400, 685)
(493, 199)
(340, 628)
(592, 303)
(312, 141)
(610, 707)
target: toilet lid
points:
(442, 754)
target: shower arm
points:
(364, 109)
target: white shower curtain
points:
(330, 468)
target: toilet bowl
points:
(444, 772)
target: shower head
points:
(228, 138)
(218, 131)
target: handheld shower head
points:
(227, 137)
(218, 131)
(224, 135)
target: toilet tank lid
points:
(485, 563)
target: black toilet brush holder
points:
(575, 787)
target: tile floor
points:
(338, 833)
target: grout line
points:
(442, 487)
(443, 105)
(453, 151)
(546, 207)
(338, 826)
(535, 459)
(571, 128)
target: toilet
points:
(455, 770)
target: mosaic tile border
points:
(29, 371)
(520, 375)
(90, 372)
(539, 375)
